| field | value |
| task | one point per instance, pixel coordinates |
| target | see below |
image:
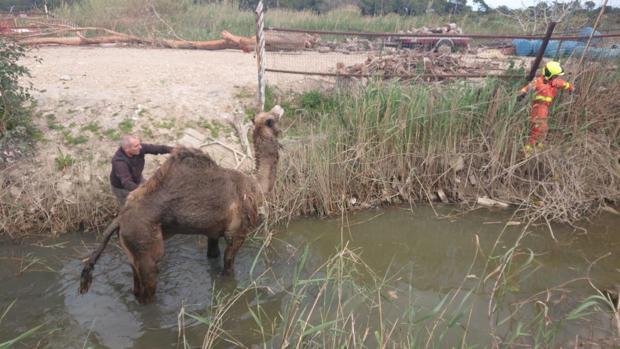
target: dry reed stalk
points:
(46, 201)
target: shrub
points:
(15, 99)
(17, 132)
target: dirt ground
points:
(89, 96)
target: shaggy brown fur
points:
(191, 194)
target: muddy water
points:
(428, 255)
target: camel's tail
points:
(87, 273)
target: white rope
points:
(260, 53)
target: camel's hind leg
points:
(137, 288)
(147, 269)
(137, 283)
(143, 254)
(231, 250)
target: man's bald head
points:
(130, 145)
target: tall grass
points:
(201, 21)
(391, 143)
(166, 18)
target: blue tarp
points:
(525, 47)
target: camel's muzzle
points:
(278, 111)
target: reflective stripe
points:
(543, 98)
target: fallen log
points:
(109, 39)
(273, 41)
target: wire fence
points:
(442, 53)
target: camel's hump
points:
(192, 157)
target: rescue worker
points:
(546, 86)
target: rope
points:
(260, 53)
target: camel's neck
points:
(266, 154)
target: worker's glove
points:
(521, 96)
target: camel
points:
(191, 194)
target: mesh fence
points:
(442, 53)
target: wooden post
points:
(541, 52)
(260, 54)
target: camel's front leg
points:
(229, 254)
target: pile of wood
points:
(450, 28)
(410, 65)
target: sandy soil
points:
(111, 84)
(163, 92)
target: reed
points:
(341, 302)
(390, 143)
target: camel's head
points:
(266, 122)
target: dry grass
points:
(43, 200)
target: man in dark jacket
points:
(128, 164)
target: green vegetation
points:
(70, 139)
(63, 161)
(146, 131)
(92, 126)
(214, 127)
(16, 103)
(52, 123)
(167, 124)
(126, 126)
(112, 134)
(204, 20)
(14, 111)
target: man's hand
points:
(521, 96)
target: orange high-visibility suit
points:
(546, 91)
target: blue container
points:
(531, 47)
(523, 47)
(550, 50)
(585, 33)
(598, 53)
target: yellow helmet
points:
(552, 69)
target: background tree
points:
(482, 6)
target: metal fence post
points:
(541, 52)
(260, 54)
